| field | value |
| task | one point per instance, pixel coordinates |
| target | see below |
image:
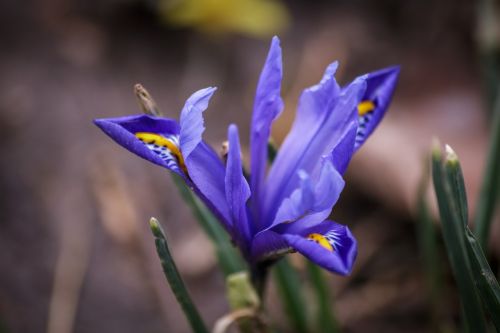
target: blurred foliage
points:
(255, 18)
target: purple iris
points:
(285, 209)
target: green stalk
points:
(488, 196)
(453, 233)
(289, 287)
(228, 257)
(287, 279)
(325, 319)
(429, 251)
(486, 282)
(175, 280)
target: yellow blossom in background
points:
(255, 18)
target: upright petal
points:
(312, 202)
(379, 90)
(207, 173)
(192, 124)
(205, 168)
(268, 105)
(237, 191)
(324, 118)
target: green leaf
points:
(175, 280)
(325, 319)
(429, 250)
(453, 233)
(488, 196)
(486, 282)
(227, 255)
(290, 289)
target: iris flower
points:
(284, 207)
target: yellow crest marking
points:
(321, 240)
(365, 107)
(152, 138)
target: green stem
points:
(325, 320)
(228, 257)
(488, 196)
(290, 288)
(175, 280)
(429, 251)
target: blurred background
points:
(76, 254)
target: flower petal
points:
(191, 121)
(374, 104)
(324, 116)
(203, 171)
(312, 202)
(208, 175)
(237, 191)
(342, 153)
(124, 129)
(328, 244)
(268, 105)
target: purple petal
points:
(324, 117)
(342, 153)
(192, 120)
(328, 244)
(208, 175)
(123, 130)
(268, 245)
(312, 202)
(237, 191)
(205, 172)
(379, 91)
(268, 105)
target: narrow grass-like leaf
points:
(455, 178)
(229, 259)
(455, 245)
(486, 282)
(489, 194)
(290, 290)
(429, 250)
(174, 279)
(325, 319)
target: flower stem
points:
(490, 189)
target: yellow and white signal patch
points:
(365, 114)
(167, 148)
(365, 107)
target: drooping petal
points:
(328, 244)
(312, 202)
(237, 191)
(191, 120)
(269, 245)
(159, 137)
(268, 105)
(157, 140)
(324, 116)
(375, 101)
